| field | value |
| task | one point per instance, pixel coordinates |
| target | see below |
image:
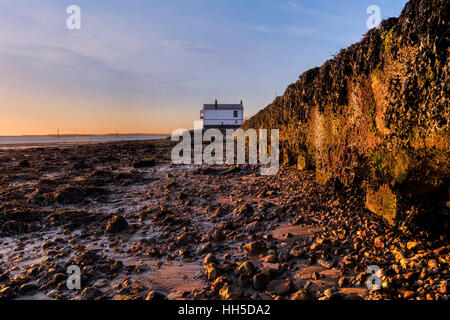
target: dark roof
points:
(223, 107)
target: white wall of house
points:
(222, 117)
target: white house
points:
(222, 116)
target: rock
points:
(379, 242)
(28, 288)
(260, 281)
(330, 293)
(315, 275)
(269, 272)
(280, 286)
(5, 292)
(58, 277)
(253, 226)
(297, 251)
(212, 272)
(413, 245)
(116, 224)
(270, 259)
(156, 296)
(256, 248)
(24, 164)
(144, 163)
(210, 258)
(398, 254)
(443, 287)
(246, 268)
(229, 292)
(244, 209)
(101, 283)
(219, 235)
(91, 293)
(432, 264)
(302, 294)
(409, 294)
(116, 266)
(71, 195)
(183, 239)
(343, 281)
(325, 263)
(218, 283)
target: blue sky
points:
(149, 65)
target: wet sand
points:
(194, 232)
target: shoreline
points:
(28, 145)
(192, 232)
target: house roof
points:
(223, 107)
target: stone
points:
(379, 242)
(246, 268)
(280, 286)
(325, 263)
(270, 259)
(91, 293)
(302, 294)
(229, 292)
(144, 163)
(443, 287)
(260, 281)
(244, 209)
(343, 281)
(256, 248)
(71, 195)
(409, 294)
(116, 266)
(212, 272)
(219, 235)
(156, 296)
(24, 164)
(209, 258)
(297, 251)
(27, 288)
(330, 293)
(432, 264)
(116, 224)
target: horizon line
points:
(85, 134)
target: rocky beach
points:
(140, 227)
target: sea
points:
(12, 142)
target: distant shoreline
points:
(87, 135)
(26, 142)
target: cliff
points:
(376, 116)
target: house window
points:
(235, 114)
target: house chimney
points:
(241, 102)
(216, 104)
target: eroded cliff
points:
(376, 116)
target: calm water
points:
(30, 141)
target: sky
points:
(148, 66)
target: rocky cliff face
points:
(376, 116)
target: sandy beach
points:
(195, 232)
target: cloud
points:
(292, 7)
(300, 31)
(260, 28)
(188, 46)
